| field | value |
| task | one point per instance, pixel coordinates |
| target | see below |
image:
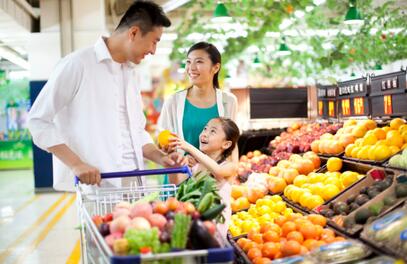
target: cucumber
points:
(205, 203)
(213, 212)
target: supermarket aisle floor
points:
(36, 228)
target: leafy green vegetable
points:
(143, 238)
(179, 235)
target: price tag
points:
(388, 105)
(345, 107)
(359, 106)
(331, 108)
(320, 108)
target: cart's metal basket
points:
(94, 247)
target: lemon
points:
(355, 151)
(304, 200)
(300, 180)
(329, 191)
(264, 219)
(349, 177)
(382, 152)
(288, 211)
(314, 201)
(253, 211)
(279, 207)
(276, 198)
(235, 231)
(317, 177)
(335, 181)
(335, 174)
(394, 149)
(372, 153)
(264, 210)
(295, 195)
(369, 140)
(348, 150)
(363, 153)
(334, 164)
(359, 142)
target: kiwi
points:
(362, 215)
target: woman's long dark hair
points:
(214, 55)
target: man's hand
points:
(174, 159)
(87, 174)
(191, 161)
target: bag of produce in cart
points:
(380, 260)
(341, 252)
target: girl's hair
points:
(232, 134)
(214, 55)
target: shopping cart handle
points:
(123, 174)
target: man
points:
(89, 113)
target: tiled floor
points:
(36, 228)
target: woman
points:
(187, 112)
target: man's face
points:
(141, 45)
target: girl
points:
(216, 143)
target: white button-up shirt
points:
(79, 107)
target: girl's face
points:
(213, 138)
(199, 68)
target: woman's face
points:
(213, 138)
(200, 69)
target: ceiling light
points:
(283, 50)
(256, 60)
(353, 16)
(221, 15)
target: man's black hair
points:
(145, 15)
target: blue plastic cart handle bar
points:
(134, 173)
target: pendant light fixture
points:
(221, 14)
(283, 50)
(353, 16)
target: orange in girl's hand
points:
(164, 138)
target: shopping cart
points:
(103, 200)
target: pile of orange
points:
(287, 236)
(380, 143)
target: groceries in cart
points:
(151, 225)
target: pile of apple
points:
(335, 144)
(298, 138)
(143, 216)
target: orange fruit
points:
(254, 253)
(309, 231)
(394, 138)
(276, 184)
(164, 137)
(310, 244)
(271, 236)
(296, 236)
(290, 248)
(249, 245)
(396, 123)
(304, 250)
(270, 250)
(280, 220)
(317, 219)
(379, 133)
(238, 191)
(334, 164)
(262, 261)
(327, 234)
(242, 242)
(270, 227)
(288, 227)
(255, 237)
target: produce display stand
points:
(353, 98)
(326, 101)
(103, 200)
(388, 94)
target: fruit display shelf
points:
(378, 193)
(372, 162)
(346, 167)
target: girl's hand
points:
(176, 143)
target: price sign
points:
(331, 108)
(320, 108)
(345, 107)
(388, 105)
(359, 106)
